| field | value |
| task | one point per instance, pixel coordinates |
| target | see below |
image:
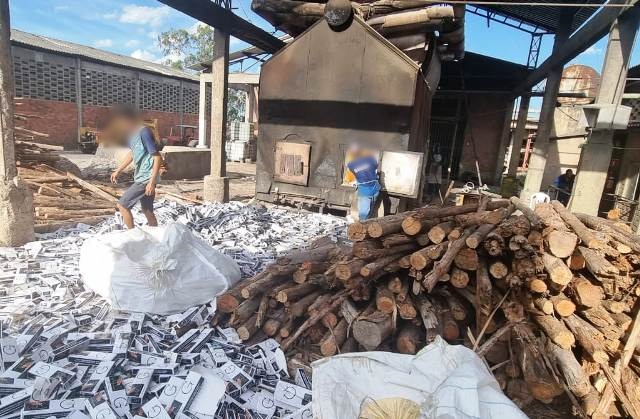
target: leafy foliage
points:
(184, 48)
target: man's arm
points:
(125, 163)
(155, 172)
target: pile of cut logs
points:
(62, 199)
(545, 297)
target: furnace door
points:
(291, 163)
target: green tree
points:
(183, 49)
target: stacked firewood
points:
(63, 199)
(545, 296)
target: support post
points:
(216, 185)
(504, 139)
(202, 110)
(538, 161)
(595, 155)
(16, 200)
(79, 96)
(518, 135)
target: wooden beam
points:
(225, 20)
(597, 27)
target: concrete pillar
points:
(202, 109)
(518, 135)
(216, 185)
(79, 95)
(538, 161)
(595, 155)
(16, 200)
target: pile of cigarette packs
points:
(65, 353)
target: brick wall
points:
(485, 123)
(58, 119)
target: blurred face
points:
(118, 130)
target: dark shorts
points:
(134, 194)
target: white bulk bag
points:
(159, 270)
(446, 381)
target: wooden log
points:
(563, 306)
(585, 235)
(498, 269)
(541, 384)
(309, 268)
(383, 226)
(559, 273)
(484, 299)
(450, 328)
(248, 328)
(300, 307)
(430, 321)
(263, 309)
(481, 218)
(395, 285)
(438, 233)
(376, 266)
(597, 264)
(265, 281)
(334, 339)
(385, 300)
(454, 234)
(543, 304)
(576, 261)
(272, 325)
(229, 301)
(409, 339)
(518, 224)
(406, 307)
(442, 266)
(58, 214)
(372, 330)
(413, 225)
(533, 218)
(295, 292)
(54, 226)
(348, 269)
(437, 212)
(550, 218)
(561, 243)
(555, 330)
(573, 375)
(71, 204)
(585, 293)
(494, 244)
(600, 224)
(396, 240)
(357, 231)
(474, 240)
(244, 311)
(459, 278)
(466, 259)
(599, 317)
(94, 189)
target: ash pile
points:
(66, 353)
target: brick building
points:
(66, 86)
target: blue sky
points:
(130, 27)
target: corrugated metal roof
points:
(69, 48)
(546, 17)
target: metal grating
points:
(105, 89)
(190, 99)
(634, 121)
(44, 80)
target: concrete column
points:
(79, 94)
(216, 185)
(518, 135)
(538, 160)
(202, 109)
(595, 155)
(16, 200)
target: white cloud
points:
(153, 35)
(144, 15)
(61, 8)
(110, 15)
(593, 50)
(143, 54)
(103, 43)
(132, 43)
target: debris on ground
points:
(539, 295)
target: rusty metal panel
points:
(292, 163)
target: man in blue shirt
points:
(564, 182)
(145, 156)
(364, 167)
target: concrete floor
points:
(242, 184)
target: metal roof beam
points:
(225, 20)
(594, 29)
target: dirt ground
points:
(242, 183)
